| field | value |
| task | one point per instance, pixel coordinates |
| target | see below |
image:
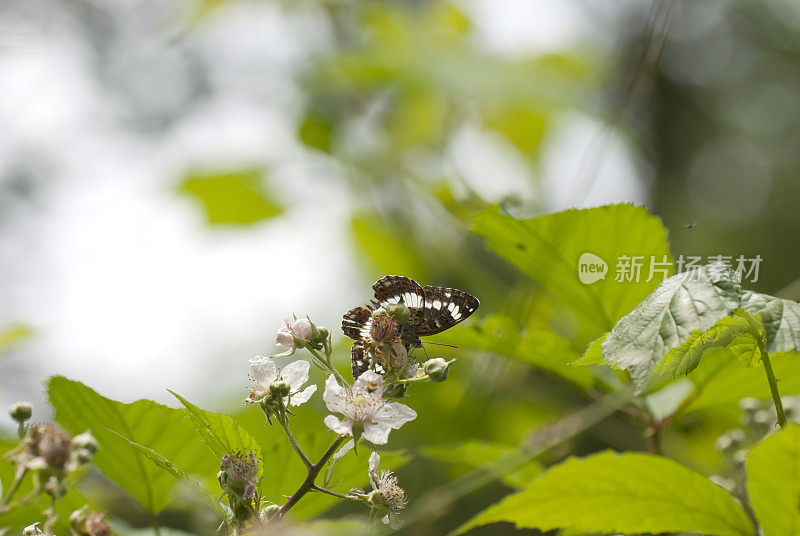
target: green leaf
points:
(548, 249)
(773, 482)
(627, 494)
(666, 319)
(237, 197)
(781, 319)
(732, 332)
(177, 473)
(593, 354)
(165, 430)
(483, 455)
(221, 434)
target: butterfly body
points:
(431, 310)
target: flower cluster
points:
(385, 335)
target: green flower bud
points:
(437, 369)
(279, 389)
(398, 311)
(380, 311)
(323, 333)
(85, 441)
(21, 411)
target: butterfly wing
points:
(356, 322)
(397, 288)
(444, 308)
(359, 360)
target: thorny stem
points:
(308, 483)
(295, 446)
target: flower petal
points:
(340, 427)
(263, 370)
(395, 414)
(295, 374)
(301, 328)
(374, 461)
(303, 396)
(335, 396)
(367, 378)
(284, 338)
(377, 434)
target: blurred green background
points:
(175, 177)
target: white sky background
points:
(127, 288)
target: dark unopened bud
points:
(398, 311)
(437, 369)
(21, 411)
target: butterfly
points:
(432, 310)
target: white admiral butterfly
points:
(432, 310)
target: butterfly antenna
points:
(441, 344)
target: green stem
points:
(327, 362)
(773, 387)
(295, 446)
(21, 472)
(330, 492)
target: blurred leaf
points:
(418, 118)
(337, 527)
(237, 197)
(721, 381)
(221, 434)
(666, 318)
(387, 249)
(167, 431)
(548, 248)
(14, 334)
(482, 455)
(773, 482)
(544, 349)
(316, 130)
(628, 493)
(524, 128)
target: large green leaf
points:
(165, 430)
(666, 319)
(773, 481)
(548, 248)
(221, 434)
(237, 197)
(626, 494)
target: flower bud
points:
(84, 456)
(268, 512)
(85, 441)
(21, 411)
(730, 441)
(437, 369)
(380, 311)
(78, 518)
(323, 333)
(761, 422)
(398, 311)
(749, 405)
(279, 389)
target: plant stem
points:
(21, 472)
(308, 483)
(773, 387)
(327, 362)
(295, 446)
(330, 492)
